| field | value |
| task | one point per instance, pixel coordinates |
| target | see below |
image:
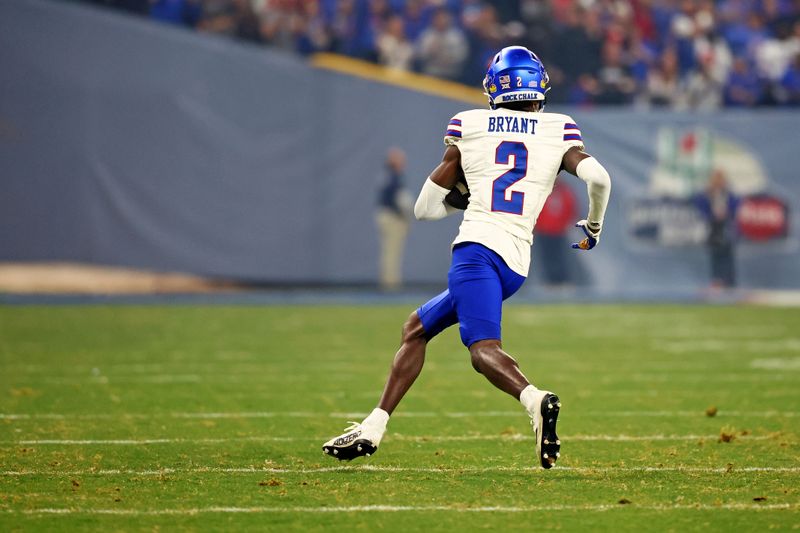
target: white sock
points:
(377, 419)
(529, 398)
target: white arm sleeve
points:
(430, 203)
(598, 183)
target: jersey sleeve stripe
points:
(572, 137)
(455, 122)
(453, 133)
(570, 126)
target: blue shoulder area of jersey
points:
(506, 124)
(572, 132)
(454, 128)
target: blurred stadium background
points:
(243, 143)
(248, 151)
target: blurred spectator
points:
(550, 242)
(584, 91)
(641, 54)
(442, 47)
(772, 57)
(180, 12)
(485, 35)
(310, 29)
(343, 27)
(718, 205)
(369, 27)
(712, 53)
(743, 87)
(394, 49)
(676, 53)
(235, 18)
(395, 209)
(794, 40)
(686, 24)
(703, 90)
(616, 83)
(578, 45)
(790, 84)
(416, 18)
(746, 34)
(539, 23)
(663, 81)
(276, 20)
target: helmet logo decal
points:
(493, 88)
(519, 96)
(505, 82)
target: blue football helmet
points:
(516, 74)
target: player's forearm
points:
(598, 183)
(430, 203)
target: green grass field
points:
(139, 418)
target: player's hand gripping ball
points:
(592, 236)
(458, 196)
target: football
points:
(458, 196)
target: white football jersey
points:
(510, 160)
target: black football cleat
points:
(548, 445)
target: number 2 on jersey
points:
(502, 156)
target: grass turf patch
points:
(212, 417)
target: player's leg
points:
(502, 370)
(478, 289)
(407, 364)
(479, 282)
(422, 325)
(485, 347)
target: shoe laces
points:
(352, 427)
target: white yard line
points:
(727, 344)
(399, 437)
(406, 508)
(401, 469)
(776, 363)
(399, 414)
(105, 380)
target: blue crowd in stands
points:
(682, 54)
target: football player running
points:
(500, 164)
